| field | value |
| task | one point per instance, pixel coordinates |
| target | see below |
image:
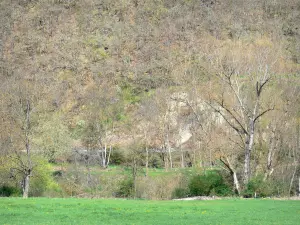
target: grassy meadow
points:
(118, 211)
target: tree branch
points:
(227, 165)
(259, 86)
(264, 112)
(225, 118)
(234, 117)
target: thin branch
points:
(224, 168)
(259, 86)
(236, 93)
(264, 112)
(227, 165)
(195, 113)
(225, 118)
(238, 144)
(234, 117)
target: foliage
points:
(178, 55)
(117, 157)
(156, 187)
(260, 188)
(52, 138)
(155, 162)
(126, 189)
(42, 181)
(9, 191)
(129, 94)
(180, 193)
(210, 183)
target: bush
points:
(42, 180)
(260, 187)
(126, 188)
(155, 162)
(211, 183)
(180, 193)
(222, 190)
(157, 187)
(117, 157)
(8, 191)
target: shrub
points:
(126, 188)
(199, 185)
(180, 193)
(157, 187)
(222, 190)
(117, 157)
(155, 162)
(42, 180)
(260, 187)
(8, 191)
(211, 183)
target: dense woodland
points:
(96, 95)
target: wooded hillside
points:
(150, 84)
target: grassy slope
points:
(119, 170)
(153, 172)
(86, 211)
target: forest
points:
(150, 99)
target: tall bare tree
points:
(243, 81)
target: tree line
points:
(169, 84)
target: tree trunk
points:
(236, 183)
(268, 174)
(194, 158)
(87, 164)
(292, 179)
(210, 158)
(169, 152)
(248, 148)
(89, 176)
(108, 158)
(247, 166)
(200, 156)
(147, 160)
(272, 147)
(26, 184)
(170, 158)
(104, 157)
(165, 159)
(27, 171)
(134, 175)
(147, 152)
(299, 187)
(182, 157)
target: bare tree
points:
(240, 104)
(20, 105)
(28, 167)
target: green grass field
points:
(110, 211)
